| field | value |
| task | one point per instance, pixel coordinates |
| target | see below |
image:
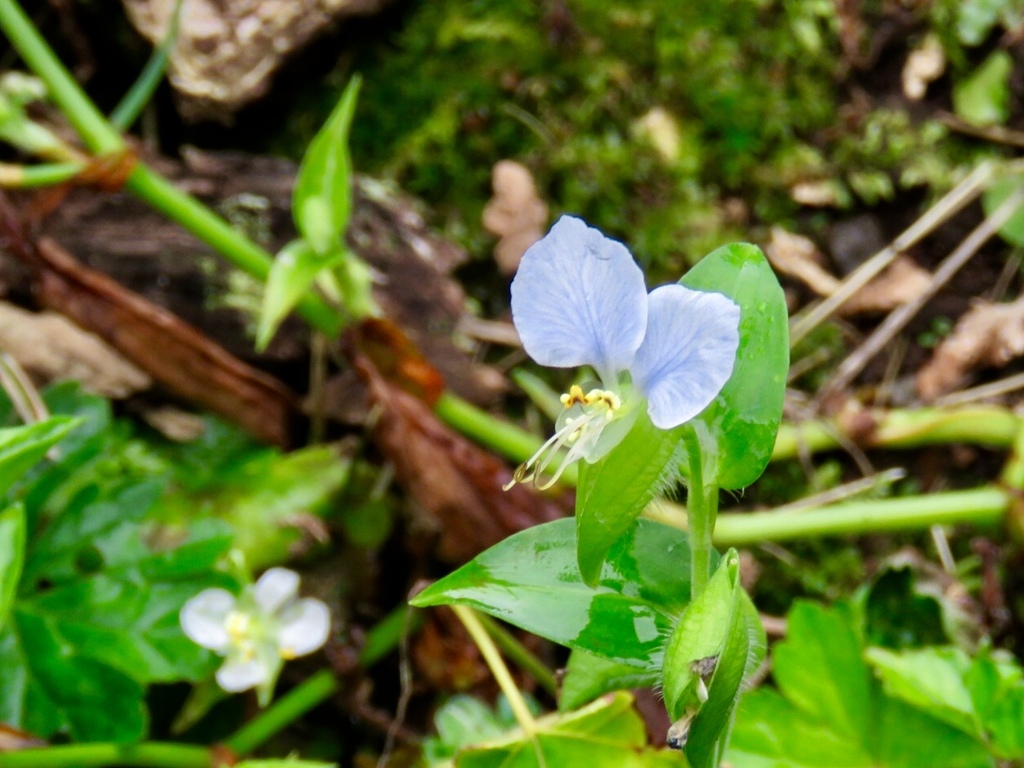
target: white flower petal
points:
(579, 299)
(304, 628)
(688, 353)
(241, 674)
(204, 619)
(274, 589)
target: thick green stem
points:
(284, 711)
(146, 755)
(701, 511)
(983, 506)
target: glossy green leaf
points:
(12, 557)
(984, 97)
(588, 676)
(744, 418)
(322, 200)
(606, 734)
(21, 447)
(531, 580)
(293, 272)
(612, 492)
(831, 712)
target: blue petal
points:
(579, 299)
(687, 354)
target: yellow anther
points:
(574, 396)
(237, 626)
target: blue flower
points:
(579, 299)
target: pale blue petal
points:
(688, 352)
(579, 299)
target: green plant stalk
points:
(284, 711)
(519, 654)
(701, 511)
(983, 506)
(14, 176)
(494, 662)
(146, 755)
(101, 138)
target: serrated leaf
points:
(293, 272)
(605, 734)
(12, 557)
(96, 617)
(613, 491)
(744, 418)
(832, 713)
(531, 580)
(322, 200)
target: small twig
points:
(983, 391)
(896, 321)
(844, 491)
(997, 134)
(953, 201)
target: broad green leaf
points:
(588, 676)
(531, 580)
(21, 447)
(613, 491)
(898, 615)
(997, 691)
(984, 97)
(606, 734)
(294, 270)
(976, 18)
(928, 678)
(12, 556)
(744, 418)
(322, 200)
(832, 713)
(461, 722)
(819, 668)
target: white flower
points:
(579, 299)
(257, 631)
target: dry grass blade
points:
(954, 200)
(901, 316)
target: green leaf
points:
(96, 618)
(21, 447)
(984, 97)
(997, 193)
(12, 557)
(286, 763)
(606, 734)
(832, 713)
(531, 580)
(322, 200)
(613, 491)
(461, 722)
(744, 418)
(294, 270)
(588, 676)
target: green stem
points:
(519, 654)
(501, 674)
(284, 711)
(29, 176)
(386, 635)
(983, 506)
(147, 755)
(701, 511)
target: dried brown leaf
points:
(515, 213)
(799, 257)
(901, 282)
(987, 335)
